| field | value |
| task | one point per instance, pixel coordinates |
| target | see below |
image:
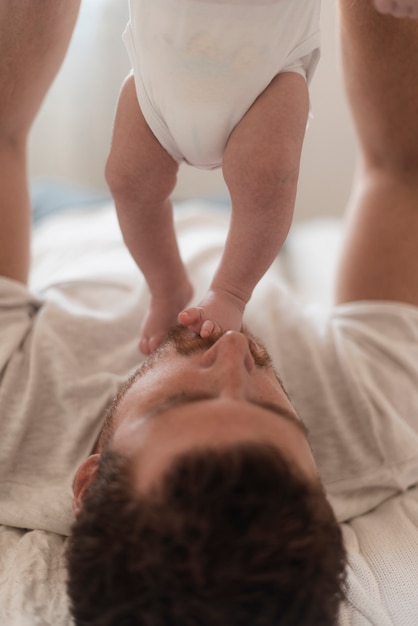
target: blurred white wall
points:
(71, 137)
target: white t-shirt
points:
(352, 373)
(64, 353)
(63, 356)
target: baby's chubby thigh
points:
(138, 166)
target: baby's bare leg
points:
(398, 8)
(141, 176)
(260, 167)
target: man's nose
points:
(231, 351)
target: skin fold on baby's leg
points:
(260, 167)
(398, 8)
(141, 176)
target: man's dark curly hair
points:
(231, 537)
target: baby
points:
(215, 83)
(398, 8)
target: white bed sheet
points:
(382, 544)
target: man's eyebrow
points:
(183, 399)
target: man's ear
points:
(85, 475)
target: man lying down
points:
(199, 497)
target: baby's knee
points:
(260, 175)
(120, 177)
(130, 180)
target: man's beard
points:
(185, 343)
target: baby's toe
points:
(208, 328)
(190, 316)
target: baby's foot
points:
(398, 8)
(216, 313)
(161, 316)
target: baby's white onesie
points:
(199, 65)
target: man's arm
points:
(380, 63)
(34, 37)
